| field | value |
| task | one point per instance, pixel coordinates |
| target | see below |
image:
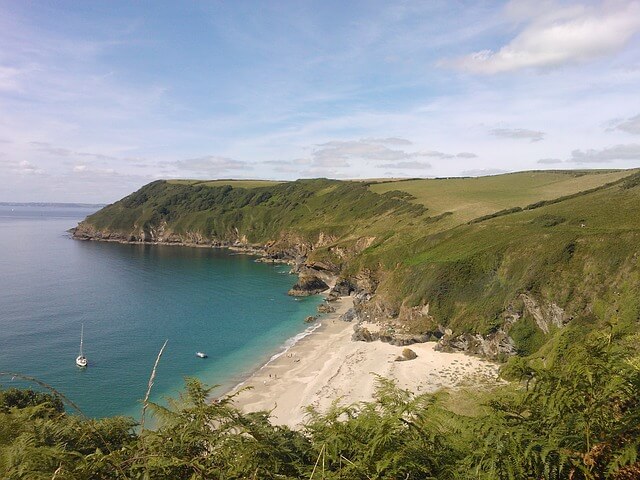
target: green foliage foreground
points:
(578, 418)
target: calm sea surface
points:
(131, 298)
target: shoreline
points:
(245, 249)
(322, 365)
(325, 366)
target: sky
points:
(99, 98)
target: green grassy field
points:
(469, 198)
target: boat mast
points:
(81, 335)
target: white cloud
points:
(389, 141)
(412, 165)
(66, 152)
(518, 133)
(617, 152)
(556, 36)
(481, 172)
(10, 79)
(549, 161)
(209, 165)
(26, 168)
(91, 170)
(337, 153)
(435, 154)
(630, 125)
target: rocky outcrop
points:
(545, 314)
(325, 307)
(363, 334)
(498, 345)
(306, 286)
(495, 346)
(349, 316)
(344, 287)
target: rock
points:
(332, 297)
(363, 335)
(545, 315)
(310, 319)
(308, 286)
(349, 315)
(494, 346)
(324, 307)
(402, 339)
(343, 288)
(409, 354)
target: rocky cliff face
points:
(546, 314)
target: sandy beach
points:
(326, 365)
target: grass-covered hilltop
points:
(538, 270)
(498, 266)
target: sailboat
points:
(81, 360)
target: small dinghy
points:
(201, 355)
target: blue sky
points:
(99, 98)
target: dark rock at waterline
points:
(332, 296)
(308, 286)
(310, 319)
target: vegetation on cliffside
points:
(576, 419)
(511, 264)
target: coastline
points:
(241, 248)
(325, 366)
(322, 365)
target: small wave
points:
(292, 341)
(284, 349)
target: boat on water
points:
(201, 355)
(81, 360)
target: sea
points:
(129, 299)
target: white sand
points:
(327, 365)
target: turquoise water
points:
(131, 298)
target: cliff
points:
(501, 266)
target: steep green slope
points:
(578, 258)
(296, 213)
(523, 261)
